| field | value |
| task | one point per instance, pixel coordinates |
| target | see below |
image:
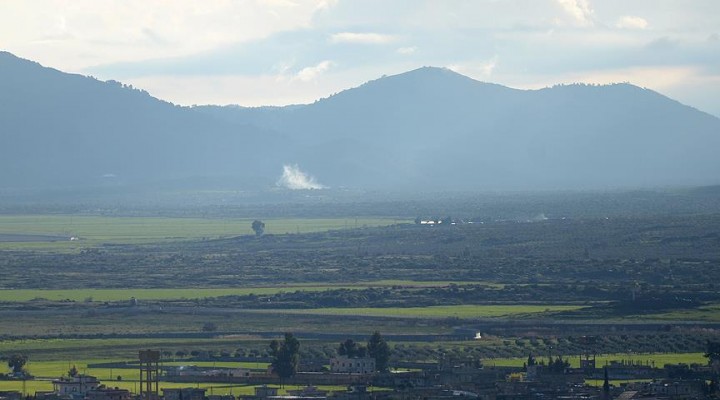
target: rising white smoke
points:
(294, 179)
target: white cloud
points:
(406, 51)
(308, 74)
(279, 3)
(257, 90)
(488, 67)
(579, 10)
(630, 22)
(323, 5)
(657, 78)
(249, 90)
(255, 52)
(361, 38)
(72, 35)
(478, 70)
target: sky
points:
(277, 52)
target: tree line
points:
(286, 353)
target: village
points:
(361, 379)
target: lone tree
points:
(17, 362)
(258, 227)
(378, 349)
(73, 371)
(351, 349)
(286, 356)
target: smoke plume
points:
(294, 179)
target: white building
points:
(75, 386)
(345, 365)
(105, 393)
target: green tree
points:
(258, 227)
(712, 353)
(378, 349)
(531, 360)
(559, 365)
(606, 384)
(351, 349)
(286, 356)
(73, 371)
(17, 362)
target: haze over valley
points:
(429, 129)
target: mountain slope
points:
(437, 129)
(427, 129)
(62, 129)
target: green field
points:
(22, 295)
(459, 311)
(220, 364)
(76, 350)
(97, 230)
(706, 313)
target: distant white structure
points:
(75, 386)
(105, 393)
(345, 365)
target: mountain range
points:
(429, 129)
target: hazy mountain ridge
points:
(427, 129)
(437, 129)
(64, 129)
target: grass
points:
(429, 284)
(54, 368)
(74, 351)
(706, 313)
(129, 322)
(616, 382)
(459, 311)
(220, 364)
(98, 230)
(22, 295)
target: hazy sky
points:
(257, 52)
